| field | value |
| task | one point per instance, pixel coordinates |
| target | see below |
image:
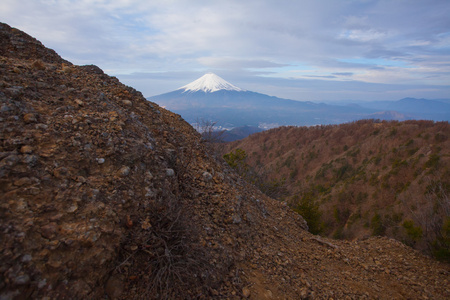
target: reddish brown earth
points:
(105, 195)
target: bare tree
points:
(208, 130)
(212, 137)
(431, 214)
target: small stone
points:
(22, 181)
(114, 287)
(22, 279)
(207, 176)
(66, 69)
(56, 217)
(146, 224)
(236, 219)
(79, 102)
(5, 108)
(29, 118)
(214, 292)
(127, 102)
(30, 159)
(61, 172)
(42, 283)
(41, 126)
(220, 176)
(246, 292)
(38, 64)
(27, 149)
(21, 204)
(11, 295)
(268, 294)
(148, 175)
(150, 192)
(54, 263)
(15, 90)
(81, 179)
(10, 160)
(72, 208)
(100, 160)
(48, 231)
(124, 171)
(304, 293)
(170, 172)
(26, 258)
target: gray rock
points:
(149, 192)
(220, 176)
(26, 258)
(9, 295)
(236, 219)
(42, 283)
(148, 176)
(22, 279)
(41, 126)
(5, 108)
(207, 176)
(124, 171)
(30, 159)
(170, 172)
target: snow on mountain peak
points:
(209, 83)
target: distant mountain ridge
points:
(211, 97)
(416, 108)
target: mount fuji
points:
(209, 83)
(212, 98)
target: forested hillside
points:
(363, 178)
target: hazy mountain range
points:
(212, 98)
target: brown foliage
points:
(361, 168)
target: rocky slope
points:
(106, 195)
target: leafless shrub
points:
(209, 131)
(211, 136)
(431, 213)
(165, 255)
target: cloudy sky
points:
(317, 50)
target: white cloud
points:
(362, 35)
(236, 63)
(247, 38)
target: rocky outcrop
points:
(17, 44)
(106, 195)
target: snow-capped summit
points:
(209, 83)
